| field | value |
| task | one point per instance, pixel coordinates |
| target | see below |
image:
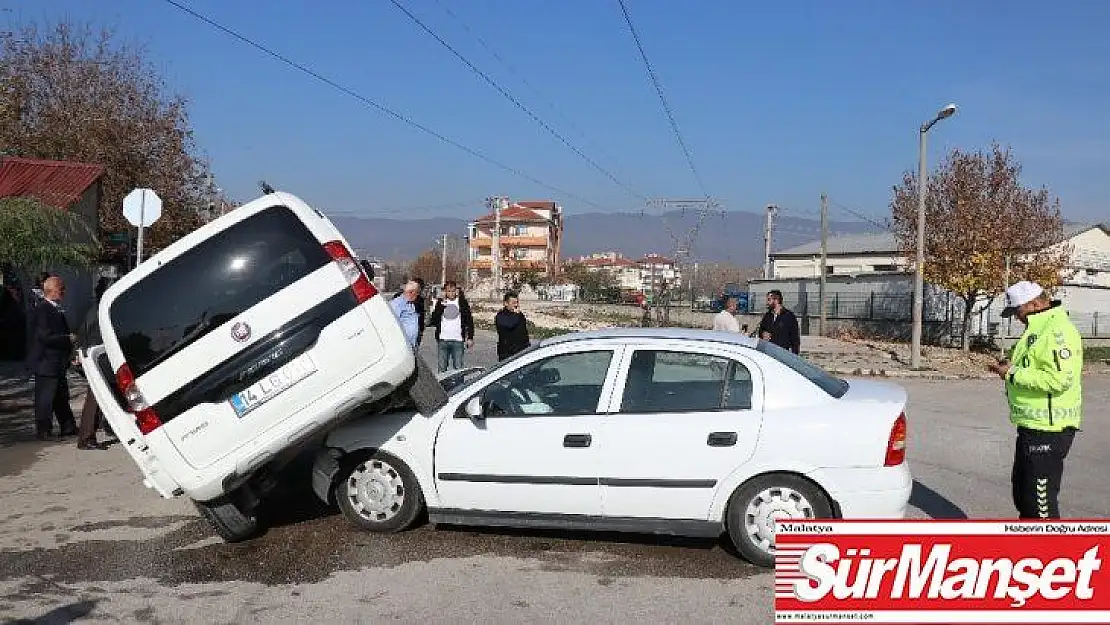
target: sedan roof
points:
(634, 334)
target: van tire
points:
(229, 521)
(425, 390)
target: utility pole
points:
(497, 204)
(693, 282)
(443, 263)
(771, 210)
(824, 259)
(1005, 284)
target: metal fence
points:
(948, 308)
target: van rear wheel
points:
(229, 520)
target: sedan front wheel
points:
(379, 493)
(755, 506)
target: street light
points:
(919, 274)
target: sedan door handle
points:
(577, 440)
(721, 439)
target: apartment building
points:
(625, 272)
(656, 269)
(531, 240)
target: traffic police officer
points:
(1045, 393)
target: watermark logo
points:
(942, 572)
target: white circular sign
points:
(142, 207)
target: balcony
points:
(509, 265)
(510, 241)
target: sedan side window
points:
(566, 384)
(664, 381)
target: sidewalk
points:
(17, 419)
(878, 358)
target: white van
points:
(232, 349)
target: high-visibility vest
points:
(1044, 384)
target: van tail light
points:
(356, 277)
(145, 417)
(896, 446)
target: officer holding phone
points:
(1043, 378)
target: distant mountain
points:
(735, 237)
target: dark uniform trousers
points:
(1039, 471)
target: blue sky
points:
(778, 102)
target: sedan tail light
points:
(896, 445)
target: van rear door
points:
(240, 332)
(98, 373)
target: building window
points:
(885, 268)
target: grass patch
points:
(1096, 354)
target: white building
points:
(847, 255)
(625, 272)
(872, 264)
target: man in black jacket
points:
(779, 325)
(512, 328)
(51, 354)
(454, 324)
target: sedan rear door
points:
(685, 417)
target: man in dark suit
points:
(51, 354)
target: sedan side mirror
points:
(474, 408)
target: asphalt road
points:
(80, 537)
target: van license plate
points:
(272, 385)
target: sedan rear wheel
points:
(758, 504)
(379, 493)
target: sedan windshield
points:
(829, 383)
(492, 371)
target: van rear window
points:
(212, 283)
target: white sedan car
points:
(667, 431)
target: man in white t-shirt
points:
(454, 326)
(725, 321)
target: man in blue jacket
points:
(404, 309)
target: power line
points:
(379, 107)
(881, 226)
(524, 80)
(663, 98)
(493, 83)
(472, 203)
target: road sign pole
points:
(139, 215)
(142, 220)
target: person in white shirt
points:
(454, 326)
(725, 321)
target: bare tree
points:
(68, 92)
(978, 214)
(429, 267)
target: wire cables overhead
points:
(379, 107)
(493, 83)
(663, 98)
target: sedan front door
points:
(537, 448)
(685, 418)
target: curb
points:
(897, 373)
